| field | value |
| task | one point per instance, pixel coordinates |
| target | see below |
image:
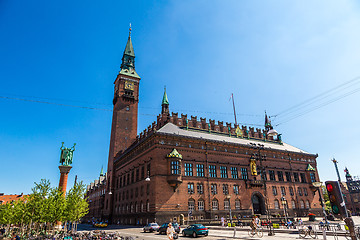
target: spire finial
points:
(130, 30)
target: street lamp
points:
(284, 203)
(228, 198)
(148, 177)
(318, 185)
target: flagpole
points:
(232, 96)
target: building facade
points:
(190, 168)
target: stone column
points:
(64, 172)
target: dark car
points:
(164, 227)
(151, 227)
(195, 230)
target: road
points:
(138, 234)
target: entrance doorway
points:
(258, 204)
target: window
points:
(300, 191)
(236, 189)
(262, 174)
(272, 175)
(141, 206)
(280, 176)
(274, 190)
(312, 177)
(283, 192)
(237, 204)
(225, 189)
(293, 205)
(302, 205)
(148, 170)
(142, 173)
(188, 169)
(191, 188)
(244, 173)
(137, 175)
(191, 205)
(175, 167)
(200, 170)
(305, 192)
(147, 206)
(213, 189)
(288, 176)
(200, 188)
(201, 205)
(276, 204)
(296, 177)
(215, 204)
(212, 171)
(291, 190)
(307, 204)
(234, 172)
(226, 204)
(223, 172)
(302, 177)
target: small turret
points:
(165, 104)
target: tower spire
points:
(128, 59)
(165, 103)
(102, 171)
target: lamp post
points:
(228, 198)
(318, 185)
(284, 203)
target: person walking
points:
(170, 231)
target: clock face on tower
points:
(129, 86)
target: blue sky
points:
(271, 54)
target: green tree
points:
(76, 204)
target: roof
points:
(129, 72)
(170, 128)
(174, 154)
(129, 49)
(9, 198)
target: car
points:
(164, 227)
(196, 230)
(101, 224)
(151, 227)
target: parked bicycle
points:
(307, 231)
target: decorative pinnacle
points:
(130, 30)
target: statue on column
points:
(66, 156)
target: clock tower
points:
(125, 113)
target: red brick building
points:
(181, 165)
(96, 194)
(10, 198)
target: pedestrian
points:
(170, 231)
(223, 221)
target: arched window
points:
(226, 204)
(293, 205)
(307, 204)
(191, 204)
(215, 204)
(237, 204)
(201, 205)
(302, 205)
(276, 204)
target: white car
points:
(151, 227)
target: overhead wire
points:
(323, 95)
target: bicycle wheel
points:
(259, 233)
(312, 233)
(251, 233)
(347, 235)
(302, 233)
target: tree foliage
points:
(45, 206)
